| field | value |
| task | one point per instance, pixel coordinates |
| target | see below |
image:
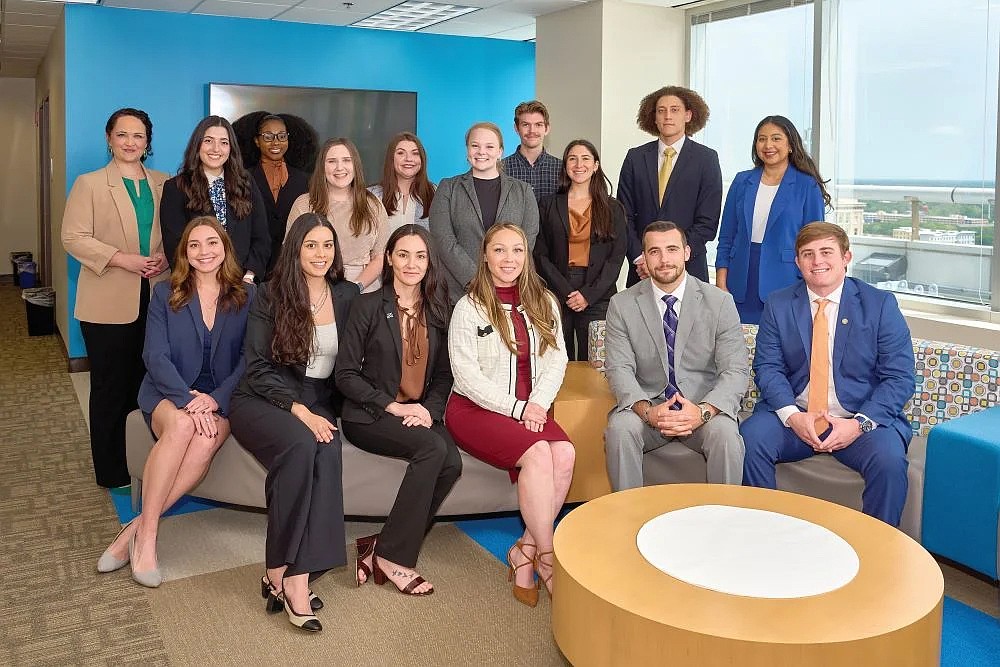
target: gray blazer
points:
(457, 223)
(711, 362)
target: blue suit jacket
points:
(174, 349)
(693, 198)
(798, 201)
(872, 353)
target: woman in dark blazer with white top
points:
(465, 206)
(582, 240)
(765, 209)
(394, 372)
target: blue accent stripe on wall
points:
(163, 62)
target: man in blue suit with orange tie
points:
(834, 365)
(672, 178)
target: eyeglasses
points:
(272, 136)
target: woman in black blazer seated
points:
(582, 240)
(285, 409)
(194, 357)
(395, 375)
(212, 181)
(275, 147)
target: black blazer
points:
(552, 250)
(278, 384)
(369, 361)
(249, 235)
(277, 211)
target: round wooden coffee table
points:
(612, 607)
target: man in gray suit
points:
(677, 364)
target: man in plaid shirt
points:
(531, 163)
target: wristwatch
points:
(706, 414)
(867, 425)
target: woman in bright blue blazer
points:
(765, 209)
(194, 359)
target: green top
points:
(142, 202)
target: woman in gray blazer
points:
(465, 206)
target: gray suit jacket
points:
(711, 362)
(456, 223)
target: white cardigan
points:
(485, 370)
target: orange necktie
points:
(819, 366)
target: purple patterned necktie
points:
(670, 333)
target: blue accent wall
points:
(171, 58)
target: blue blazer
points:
(693, 198)
(873, 367)
(174, 349)
(798, 201)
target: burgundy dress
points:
(490, 436)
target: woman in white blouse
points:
(404, 189)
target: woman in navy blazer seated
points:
(194, 358)
(285, 412)
(394, 372)
(212, 181)
(581, 244)
(765, 209)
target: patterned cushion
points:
(950, 380)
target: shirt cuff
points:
(786, 412)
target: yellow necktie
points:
(819, 366)
(665, 169)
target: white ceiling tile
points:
(537, 7)
(497, 20)
(32, 7)
(246, 10)
(367, 7)
(18, 68)
(321, 16)
(459, 28)
(27, 33)
(158, 5)
(521, 34)
(50, 20)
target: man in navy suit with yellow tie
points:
(672, 178)
(834, 365)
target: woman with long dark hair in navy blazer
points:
(581, 244)
(194, 358)
(765, 209)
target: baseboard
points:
(74, 364)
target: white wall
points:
(18, 169)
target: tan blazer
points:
(98, 222)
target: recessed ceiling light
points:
(412, 16)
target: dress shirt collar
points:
(834, 296)
(678, 292)
(677, 145)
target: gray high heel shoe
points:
(108, 562)
(150, 578)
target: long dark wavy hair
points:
(292, 341)
(183, 285)
(601, 200)
(421, 190)
(693, 102)
(365, 205)
(191, 178)
(433, 290)
(302, 139)
(797, 155)
(537, 301)
(139, 115)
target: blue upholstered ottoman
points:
(962, 490)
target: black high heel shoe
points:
(268, 592)
(307, 622)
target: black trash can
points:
(15, 258)
(40, 308)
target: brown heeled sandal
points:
(366, 548)
(381, 577)
(527, 596)
(543, 580)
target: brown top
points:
(276, 174)
(413, 330)
(579, 237)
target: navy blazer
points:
(277, 211)
(249, 235)
(174, 350)
(873, 367)
(797, 202)
(693, 198)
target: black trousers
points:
(576, 325)
(116, 371)
(304, 489)
(435, 464)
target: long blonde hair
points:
(535, 299)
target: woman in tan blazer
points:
(111, 226)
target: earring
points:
(146, 153)
(110, 152)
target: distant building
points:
(951, 237)
(850, 216)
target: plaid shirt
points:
(543, 177)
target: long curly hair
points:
(292, 341)
(365, 205)
(421, 190)
(183, 284)
(302, 139)
(693, 102)
(600, 192)
(433, 290)
(536, 300)
(191, 178)
(797, 155)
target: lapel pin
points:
(843, 321)
(388, 316)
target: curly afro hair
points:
(302, 142)
(693, 102)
